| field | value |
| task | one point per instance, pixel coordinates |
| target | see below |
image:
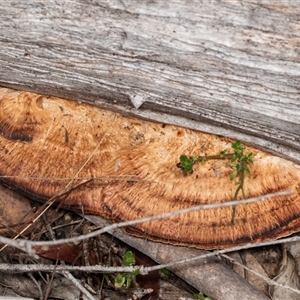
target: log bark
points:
(210, 276)
(226, 67)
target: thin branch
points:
(64, 191)
(20, 268)
(26, 245)
(77, 284)
(41, 211)
(160, 216)
(142, 270)
(37, 285)
(268, 280)
(221, 252)
(105, 178)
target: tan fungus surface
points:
(47, 141)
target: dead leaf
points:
(289, 276)
(15, 210)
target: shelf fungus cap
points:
(123, 169)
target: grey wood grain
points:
(226, 67)
(210, 276)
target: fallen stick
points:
(210, 276)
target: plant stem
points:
(238, 162)
(210, 157)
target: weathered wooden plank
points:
(231, 66)
(228, 67)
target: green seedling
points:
(127, 279)
(239, 163)
(166, 272)
(124, 280)
(200, 296)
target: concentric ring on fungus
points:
(46, 141)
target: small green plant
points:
(124, 280)
(239, 163)
(200, 296)
(166, 272)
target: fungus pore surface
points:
(123, 169)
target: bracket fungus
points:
(123, 169)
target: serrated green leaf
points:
(128, 259)
(186, 163)
(233, 174)
(119, 280)
(183, 158)
(166, 272)
(129, 281)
